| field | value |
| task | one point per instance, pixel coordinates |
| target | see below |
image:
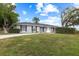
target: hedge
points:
(14, 31)
(65, 30)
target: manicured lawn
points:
(41, 44)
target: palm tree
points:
(36, 20)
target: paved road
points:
(14, 35)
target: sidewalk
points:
(15, 35)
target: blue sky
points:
(49, 13)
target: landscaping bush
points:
(14, 31)
(65, 30)
(77, 32)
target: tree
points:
(36, 20)
(70, 17)
(7, 16)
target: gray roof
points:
(38, 24)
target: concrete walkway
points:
(14, 35)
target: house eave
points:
(34, 24)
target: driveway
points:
(14, 35)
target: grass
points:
(41, 45)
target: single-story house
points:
(28, 27)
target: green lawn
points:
(41, 44)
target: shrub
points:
(65, 30)
(14, 31)
(77, 32)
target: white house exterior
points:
(27, 27)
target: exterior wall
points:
(22, 29)
(29, 29)
(53, 29)
(25, 30)
(38, 29)
(18, 27)
(47, 29)
(33, 28)
(41, 29)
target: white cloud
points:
(24, 12)
(13, 4)
(76, 5)
(50, 8)
(45, 9)
(27, 19)
(52, 21)
(39, 7)
(43, 14)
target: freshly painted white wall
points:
(38, 29)
(23, 29)
(45, 29)
(29, 29)
(18, 27)
(48, 30)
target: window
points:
(25, 27)
(21, 27)
(32, 29)
(41, 29)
